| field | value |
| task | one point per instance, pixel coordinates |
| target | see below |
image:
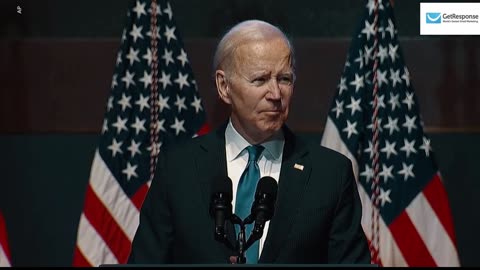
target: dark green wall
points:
(195, 18)
(42, 187)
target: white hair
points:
(243, 32)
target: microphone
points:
(221, 206)
(263, 207)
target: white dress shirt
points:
(269, 162)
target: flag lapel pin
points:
(298, 167)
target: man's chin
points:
(272, 126)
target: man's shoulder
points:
(317, 152)
(186, 146)
(320, 152)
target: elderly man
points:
(317, 212)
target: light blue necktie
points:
(245, 196)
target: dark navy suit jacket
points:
(317, 216)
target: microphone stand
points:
(242, 243)
(240, 246)
(257, 231)
(221, 236)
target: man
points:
(317, 211)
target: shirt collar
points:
(235, 144)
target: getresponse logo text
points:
(437, 17)
(454, 16)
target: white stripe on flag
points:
(4, 261)
(92, 246)
(390, 254)
(109, 191)
(432, 232)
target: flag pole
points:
(375, 241)
(154, 106)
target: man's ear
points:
(223, 88)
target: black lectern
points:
(294, 266)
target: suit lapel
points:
(293, 178)
(211, 163)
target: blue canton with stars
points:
(125, 142)
(406, 159)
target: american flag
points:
(4, 249)
(153, 101)
(375, 121)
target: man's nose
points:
(274, 92)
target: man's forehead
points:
(264, 49)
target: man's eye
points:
(286, 80)
(260, 80)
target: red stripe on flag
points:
(139, 196)
(437, 197)
(79, 260)
(106, 226)
(204, 129)
(3, 236)
(409, 242)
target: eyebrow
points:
(264, 72)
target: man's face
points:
(260, 87)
